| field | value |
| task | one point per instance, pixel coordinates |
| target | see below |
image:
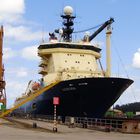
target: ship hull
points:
(90, 97)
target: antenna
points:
(67, 23)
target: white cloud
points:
(12, 6)
(17, 87)
(22, 33)
(30, 53)
(136, 59)
(14, 90)
(8, 53)
(22, 72)
(11, 10)
(18, 71)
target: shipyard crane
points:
(2, 81)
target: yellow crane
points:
(29, 98)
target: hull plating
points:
(89, 97)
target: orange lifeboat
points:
(35, 86)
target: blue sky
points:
(26, 22)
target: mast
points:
(108, 51)
(67, 30)
(2, 82)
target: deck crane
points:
(108, 43)
(105, 24)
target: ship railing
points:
(42, 71)
(43, 63)
(97, 123)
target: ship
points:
(84, 88)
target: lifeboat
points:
(35, 86)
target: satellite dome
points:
(68, 10)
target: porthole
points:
(69, 54)
(34, 106)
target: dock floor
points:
(13, 131)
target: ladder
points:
(29, 98)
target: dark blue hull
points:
(90, 97)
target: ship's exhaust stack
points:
(108, 50)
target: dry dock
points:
(10, 131)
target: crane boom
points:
(110, 21)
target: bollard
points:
(72, 122)
(54, 129)
(34, 125)
(107, 129)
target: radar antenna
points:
(68, 23)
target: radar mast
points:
(67, 30)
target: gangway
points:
(29, 98)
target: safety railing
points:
(112, 124)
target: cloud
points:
(17, 88)
(11, 10)
(22, 72)
(136, 59)
(30, 53)
(14, 90)
(18, 72)
(8, 53)
(22, 33)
